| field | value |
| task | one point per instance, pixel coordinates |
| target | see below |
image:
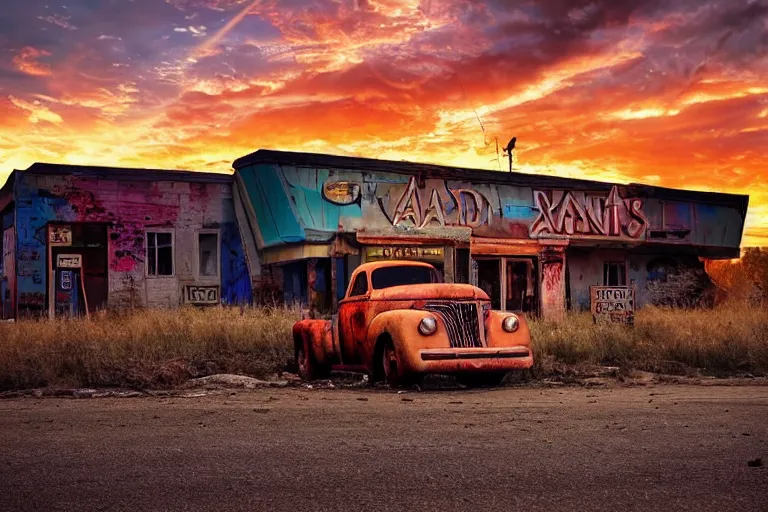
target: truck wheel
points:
(389, 366)
(481, 380)
(390, 369)
(309, 369)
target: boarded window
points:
(160, 254)
(615, 273)
(208, 254)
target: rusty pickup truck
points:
(399, 321)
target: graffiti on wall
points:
(201, 294)
(461, 207)
(9, 246)
(60, 235)
(585, 214)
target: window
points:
(614, 273)
(361, 285)
(159, 254)
(208, 254)
(387, 277)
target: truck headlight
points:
(510, 324)
(427, 326)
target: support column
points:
(334, 285)
(312, 294)
(552, 261)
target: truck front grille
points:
(461, 320)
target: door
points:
(489, 279)
(352, 316)
(520, 292)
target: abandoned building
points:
(533, 243)
(78, 239)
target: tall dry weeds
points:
(728, 339)
(146, 348)
(163, 348)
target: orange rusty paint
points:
(364, 324)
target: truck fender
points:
(317, 337)
(495, 336)
(402, 328)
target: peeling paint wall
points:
(130, 209)
(299, 204)
(586, 267)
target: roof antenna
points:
(509, 149)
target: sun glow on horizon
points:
(608, 93)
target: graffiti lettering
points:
(201, 294)
(569, 214)
(468, 208)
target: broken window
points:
(159, 254)
(614, 273)
(208, 254)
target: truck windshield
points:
(386, 277)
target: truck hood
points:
(432, 291)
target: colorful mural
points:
(130, 204)
(576, 214)
(294, 204)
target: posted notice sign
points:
(613, 303)
(69, 261)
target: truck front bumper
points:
(457, 360)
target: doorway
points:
(489, 279)
(79, 269)
(520, 293)
(510, 282)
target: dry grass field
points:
(163, 348)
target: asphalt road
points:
(646, 448)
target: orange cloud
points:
(27, 61)
(669, 94)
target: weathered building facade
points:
(534, 243)
(79, 239)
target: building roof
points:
(323, 161)
(126, 173)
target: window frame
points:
(365, 277)
(606, 272)
(157, 231)
(216, 232)
(432, 271)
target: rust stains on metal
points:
(387, 326)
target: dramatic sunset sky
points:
(671, 93)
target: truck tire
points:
(309, 369)
(390, 370)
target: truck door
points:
(351, 320)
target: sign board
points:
(201, 294)
(60, 235)
(613, 303)
(66, 280)
(341, 192)
(404, 253)
(69, 261)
